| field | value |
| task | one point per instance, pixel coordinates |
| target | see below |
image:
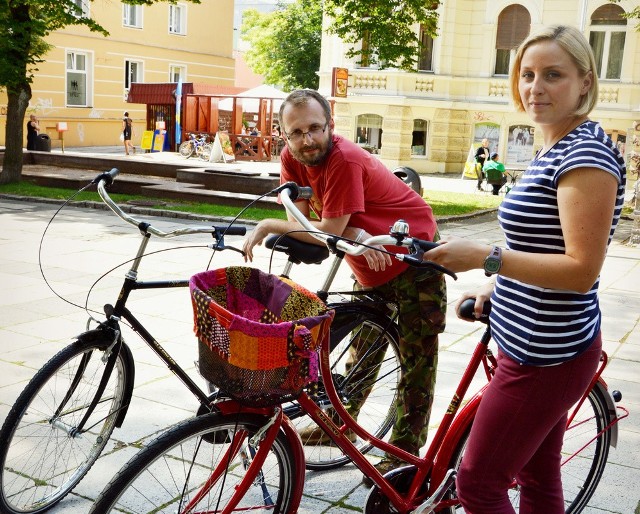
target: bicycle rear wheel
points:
(367, 386)
(584, 454)
(42, 457)
(167, 475)
(204, 152)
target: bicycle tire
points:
(377, 414)
(581, 474)
(186, 149)
(165, 475)
(41, 460)
(205, 151)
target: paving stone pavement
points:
(81, 244)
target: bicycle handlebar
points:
(398, 235)
(105, 179)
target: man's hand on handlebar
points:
(255, 237)
(377, 261)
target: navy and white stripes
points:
(542, 326)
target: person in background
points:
(482, 155)
(558, 222)
(127, 131)
(33, 127)
(355, 196)
(495, 173)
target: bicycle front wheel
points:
(365, 365)
(198, 465)
(42, 455)
(585, 449)
(186, 149)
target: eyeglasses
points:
(315, 130)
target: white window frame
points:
(180, 27)
(87, 72)
(84, 6)
(181, 70)
(132, 11)
(139, 72)
(608, 31)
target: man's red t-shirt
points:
(352, 181)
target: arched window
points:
(369, 132)
(606, 37)
(419, 137)
(514, 24)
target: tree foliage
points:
(285, 44)
(24, 25)
(387, 28)
(633, 14)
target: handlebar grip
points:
(234, 230)
(107, 176)
(425, 245)
(296, 191)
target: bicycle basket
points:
(258, 334)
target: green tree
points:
(382, 32)
(24, 25)
(285, 44)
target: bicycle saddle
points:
(466, 310)
(297, 251)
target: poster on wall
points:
(340, 82)
(520, 145)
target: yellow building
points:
(85, 78)
(429, 120)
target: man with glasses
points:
(356, 196)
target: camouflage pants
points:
(422, 302)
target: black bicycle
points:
(63, 419)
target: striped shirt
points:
(536, 325)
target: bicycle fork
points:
(263, 440)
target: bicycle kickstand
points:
(430, 503)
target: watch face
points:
(492, 265)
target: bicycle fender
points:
(601, 386)
(98, 334)
(461, 424)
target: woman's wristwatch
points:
(493, 261)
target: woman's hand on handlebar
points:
(482, 295)
(458, 254)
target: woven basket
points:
(258, 334)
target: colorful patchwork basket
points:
(258, 334)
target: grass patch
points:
(443, 203)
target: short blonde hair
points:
(572, 41)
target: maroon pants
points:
(518, 432)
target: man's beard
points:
(324, 147)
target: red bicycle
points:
(248, 458)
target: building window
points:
(80, 8)
(178, 19)
(369, 132)
(607, 38)
(514, 24)
(177, 73)
(78, 79)
(132, 16)
(132, 73)
(425, 61)
(419, 137)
